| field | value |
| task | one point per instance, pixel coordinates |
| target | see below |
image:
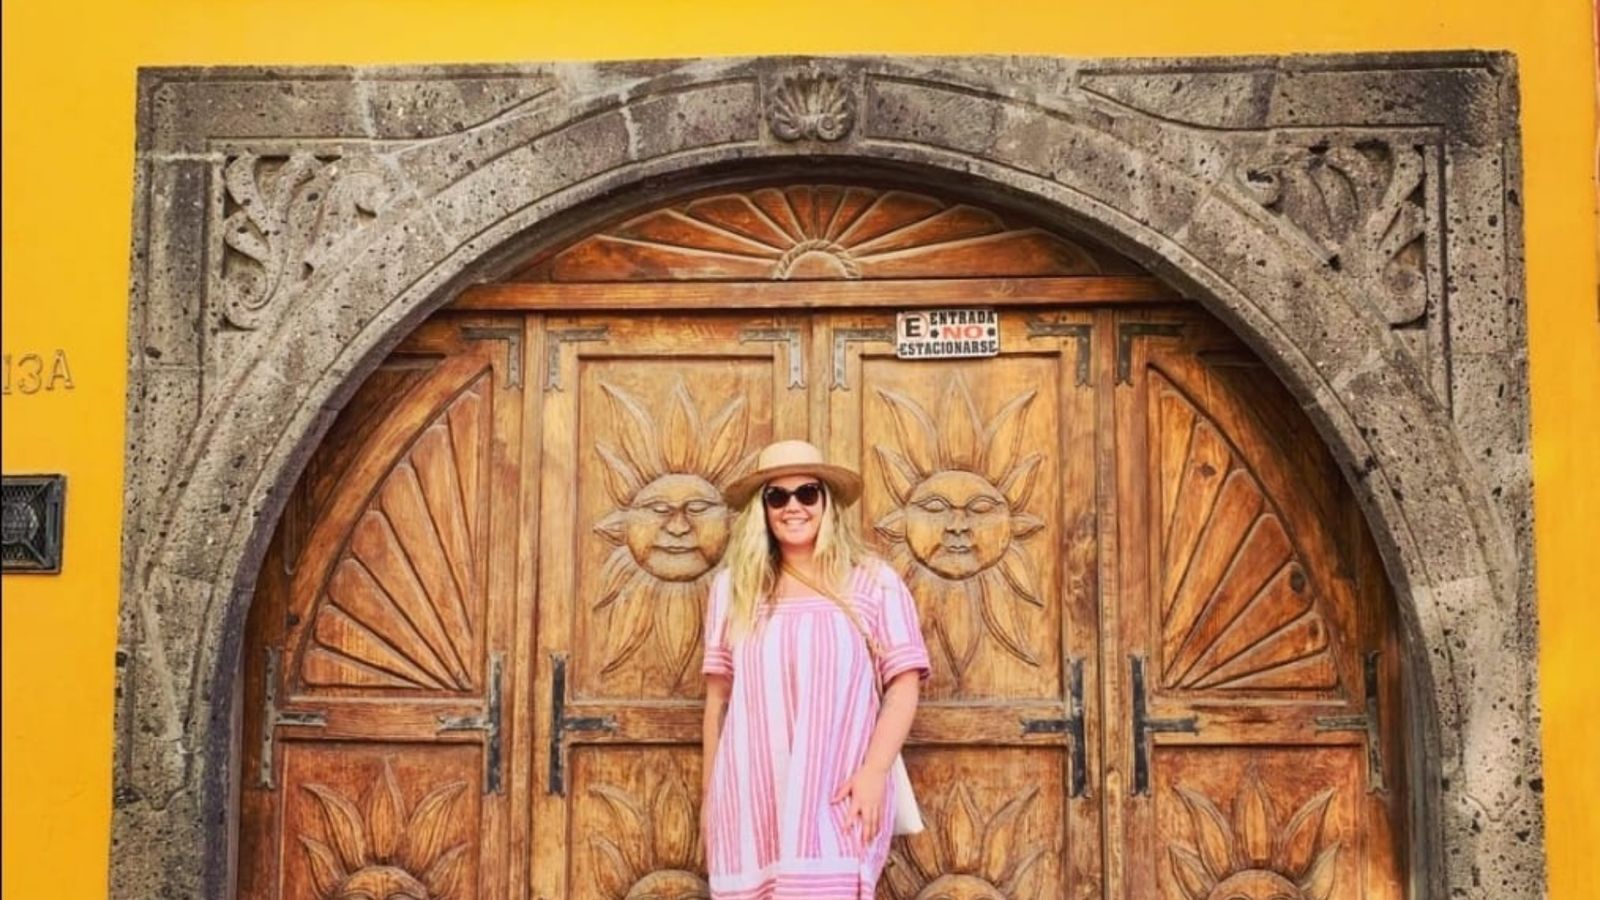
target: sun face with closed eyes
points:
(669, 525)
(961, 490)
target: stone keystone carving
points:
(811, 107)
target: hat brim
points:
(843, 484)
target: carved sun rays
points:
(1251, 857)
(389, 851)
(961, 488)
(670, 524)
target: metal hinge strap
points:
(1143, 726)
(487, 722)
(561, 724)
(272, 717)
(1368, 723)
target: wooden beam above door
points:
(680, 295)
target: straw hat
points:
(794, 458)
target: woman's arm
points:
(894, 722)
(865, 788)
(717, 689)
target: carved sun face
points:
(1251, 858)
(956, 533)
(670, 524)
(390, 853)
(965, 855)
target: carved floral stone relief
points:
(286, 217)
(1364, 203)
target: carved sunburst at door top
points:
(1251, 858)
(1238, 611)
(670, 523)
(820, 232)
(961, 488)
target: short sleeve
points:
(719, 658)
(897, 629)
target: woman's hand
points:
(864, 795)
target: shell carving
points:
(811, 107)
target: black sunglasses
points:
(809, 494)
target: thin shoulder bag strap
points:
(851, 613)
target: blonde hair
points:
(753, 558)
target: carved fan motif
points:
(817, 233)
(403, 607)
(961, 489)
(966, 855)
(670, 524)
(653, 851)
(1237, 613)
(390, 851)
(1251, 858)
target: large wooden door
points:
(1163, 648)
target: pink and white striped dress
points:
(802, 710)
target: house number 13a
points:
(31, 373)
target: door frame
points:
(1406, 396)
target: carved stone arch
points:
(295, 224)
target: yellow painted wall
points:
(68, 142)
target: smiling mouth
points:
(676, 551)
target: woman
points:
(797, 749)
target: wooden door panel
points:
(995, 831)
(387, 820)
(644, 421)
(637, 817)
(1238, 613)
(378, 650)
(980, 491)
(659, 440)
(1249, 621)
(1255, 823)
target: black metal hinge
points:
(561, 724)
(1072, 727)
(1367, 723)
(272, 717)
(487, 722)
(1076, 330)
(1143, 726)
(1127, 331)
